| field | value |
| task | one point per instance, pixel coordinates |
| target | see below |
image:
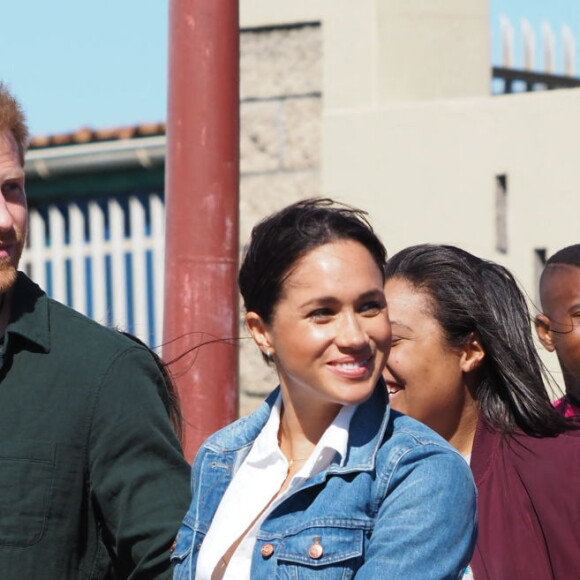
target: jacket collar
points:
(484, 444)
(487, 444)
(29, 317)
(366, 433)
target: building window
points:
(539, 264)
(501, 217)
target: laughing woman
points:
(323, 480)
(464, 362)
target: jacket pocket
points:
(326, 553)
(26, 479)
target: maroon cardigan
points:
(528, 506)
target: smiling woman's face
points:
(330, 333)
(424, 374)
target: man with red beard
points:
(93, 483)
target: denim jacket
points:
(401, 506)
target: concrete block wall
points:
(280, 149)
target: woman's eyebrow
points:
(401, 324)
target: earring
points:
(268, 355)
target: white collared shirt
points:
(252, 488)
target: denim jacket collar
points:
(367, 431)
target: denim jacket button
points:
(316, 550)
(267, 550)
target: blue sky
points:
(75, 63)
(102, 64)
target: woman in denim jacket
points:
(324, 480)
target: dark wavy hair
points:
(281, 239)
(470, 295)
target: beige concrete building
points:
(394, 113)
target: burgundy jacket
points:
(528, 506)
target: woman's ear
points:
(543, 331)
(472, 353)
(260, 334)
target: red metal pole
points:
(201, 192)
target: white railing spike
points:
(549, 46)
(507, 41)
(529, 45)
(569, 51)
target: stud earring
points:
(269, 355)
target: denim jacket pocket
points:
(329, 552)
(26, 479)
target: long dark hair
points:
(471, 295)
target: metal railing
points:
(537, 67)
(517, 80)
(104, 258)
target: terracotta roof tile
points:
(88, 135)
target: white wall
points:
(411, 133)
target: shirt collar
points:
(334, 440)
(29, 316)
(370, 425)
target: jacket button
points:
(267, 550)
(316, 550)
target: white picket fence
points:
(104, 258)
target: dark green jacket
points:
(92, 480)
